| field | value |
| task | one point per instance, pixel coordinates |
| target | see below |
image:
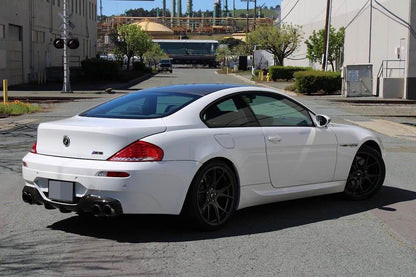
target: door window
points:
(278, 111)
(231, 112)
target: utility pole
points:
(247, 25)
(255, 14)
(371, 31)
(327, 32)
(67, 85)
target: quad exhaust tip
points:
(103, 210)
(27, 197)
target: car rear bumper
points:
(98, 206)
(152, 187)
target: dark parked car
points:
(165, 65)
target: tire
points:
(213, 196)
(171, 71)
(366, 175)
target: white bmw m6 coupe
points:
(205, 150)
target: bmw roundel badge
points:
(66, 141)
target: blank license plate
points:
(61, 191)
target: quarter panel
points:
(248, 154)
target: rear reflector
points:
(139, 151)
(116, 174)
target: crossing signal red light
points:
(58, 43)
(73, 43)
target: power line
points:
(290, 11)
(358, 14)
(403, 22)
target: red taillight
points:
(33, 150)
(139, 151)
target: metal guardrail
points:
(389, 68)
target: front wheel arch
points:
(367, 173)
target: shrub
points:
(290, 88)
(257, 72)
(314, 81)
(17, 107)
(100, 69)
(139, 66)
(285, 72)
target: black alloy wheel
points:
(366, 175)
(213, 196)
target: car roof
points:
(195, 89)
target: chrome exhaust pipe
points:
(96, 210)
(108, 210)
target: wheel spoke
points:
(224, 210)
(218, 180)
(225, 196)
(217, 213)
(221, 191)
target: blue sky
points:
(114, 7)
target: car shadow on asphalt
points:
(254, 220)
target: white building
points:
(378, 32)
(28, 29)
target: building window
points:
(83, 7)
(15, 32)
(38, 36)
(2, 31)
(59, 3)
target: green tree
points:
(154, 54)
(231, 42)
(281, 40)
(131, 41)
(315, 46)
(222, 54)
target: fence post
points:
(5, 91)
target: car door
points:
(298, 153)
(235, 128)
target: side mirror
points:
(322, 120)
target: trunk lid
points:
(93, 138)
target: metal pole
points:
(371, 31)
(255, 12)
(67, 86)
(248, 1)
(5, 91)
(327, 32)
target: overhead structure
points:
(155, 30)
(189, 8)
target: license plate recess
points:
(61, 191)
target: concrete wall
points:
(388, 32)
(391, 87)
(40, 23)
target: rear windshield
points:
(165, 61)
(142, 105)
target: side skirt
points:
(264, 193)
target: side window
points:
(231, 112)
(278, 111)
